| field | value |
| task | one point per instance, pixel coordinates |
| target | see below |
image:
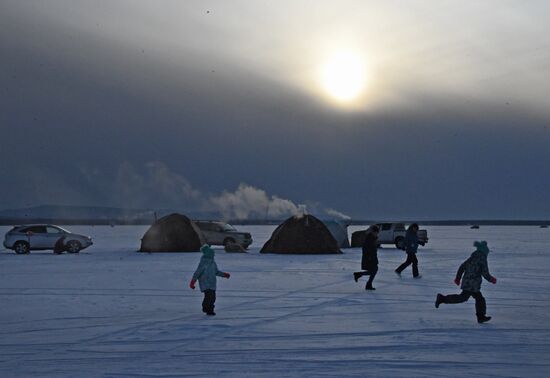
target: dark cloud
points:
(83, 116)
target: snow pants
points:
(481, 306)
(411, 259)
(208, 301)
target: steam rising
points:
(250, 202)
(157, 186)
(336, 214)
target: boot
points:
(439, 300)
(483, 318)
(356, 276)
(212, 313)
(369, 287)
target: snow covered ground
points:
(112, 312)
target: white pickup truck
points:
(390, 233)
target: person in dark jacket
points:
(369, 260)
(411, 246)
(471, 271)
(206, 274)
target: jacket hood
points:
(482, 247)
(372, 230)
(207, 251)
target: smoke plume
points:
(156, 186)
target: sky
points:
(367, 109)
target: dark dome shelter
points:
(339, 230)
(301, 235)
(172, 233)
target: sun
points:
(343, 77)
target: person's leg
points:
(456, 298)
(357, 275)
(372, 274)
(414, 261)
(208, 303)
(481, 307)
(402, 267)
(205, 301)
(213, 301)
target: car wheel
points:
(74, 246)
(21, 247)
(400, 242)
(227, 241)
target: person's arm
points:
(197, 274)
(219, 273)
(485, 272)
(416, 242)
(411, 242)
(460, 272)
(200, 270)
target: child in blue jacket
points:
(470, 272)
(206, 274)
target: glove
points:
(192, 284)
(493, 280)
(226, 275)
(457, 281)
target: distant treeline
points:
(147, 221)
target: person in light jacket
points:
(470, 272)
(207, 273)
(369, 260)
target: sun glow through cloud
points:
(343, 77)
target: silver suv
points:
(23, 239)
(220, 233)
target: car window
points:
(53, 230)
(36, 229)
(207, 226)
(228, 227)
(386, 226)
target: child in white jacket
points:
(206, 274)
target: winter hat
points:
(482, 246)
(207, 251)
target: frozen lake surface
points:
(112, 312)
